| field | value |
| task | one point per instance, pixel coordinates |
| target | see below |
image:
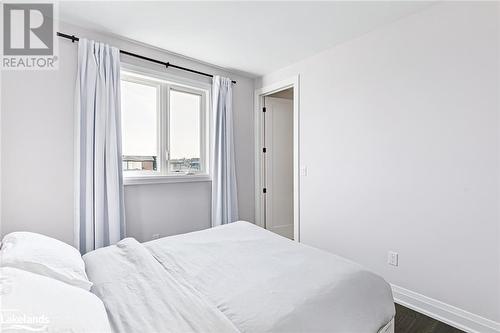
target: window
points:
(139, 125)
(164, 128)
(185, 138)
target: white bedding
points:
(44, 255)
(31, 302)
(237, 277)
(266, 283)
(140, 296)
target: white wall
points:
(37, 153)
(399, 132)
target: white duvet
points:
(266, 283)
(235, 277)
(140, 296)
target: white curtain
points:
(224, 196)
(99, 182)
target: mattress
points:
(263, 282)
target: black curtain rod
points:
(166, 64)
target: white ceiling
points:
(250, 37)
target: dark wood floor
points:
(409, 321)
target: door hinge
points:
(264, 109)
(264, 190)
(264, 150)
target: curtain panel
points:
(99, 203)
(224, 191)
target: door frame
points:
(292, 82)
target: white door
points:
(278, 173)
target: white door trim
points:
(292, 82)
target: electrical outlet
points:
(303, 171)
(392, 258)
(155, 236)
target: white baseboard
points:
(446, 313)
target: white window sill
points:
(162, 179)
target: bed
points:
(236, 278)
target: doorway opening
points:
(277, 179)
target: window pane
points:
(139, 126)
(185, 125)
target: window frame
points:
(165, 83)
(203, 124)
(157, 85)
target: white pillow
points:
(45, 256)
(32, 302)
